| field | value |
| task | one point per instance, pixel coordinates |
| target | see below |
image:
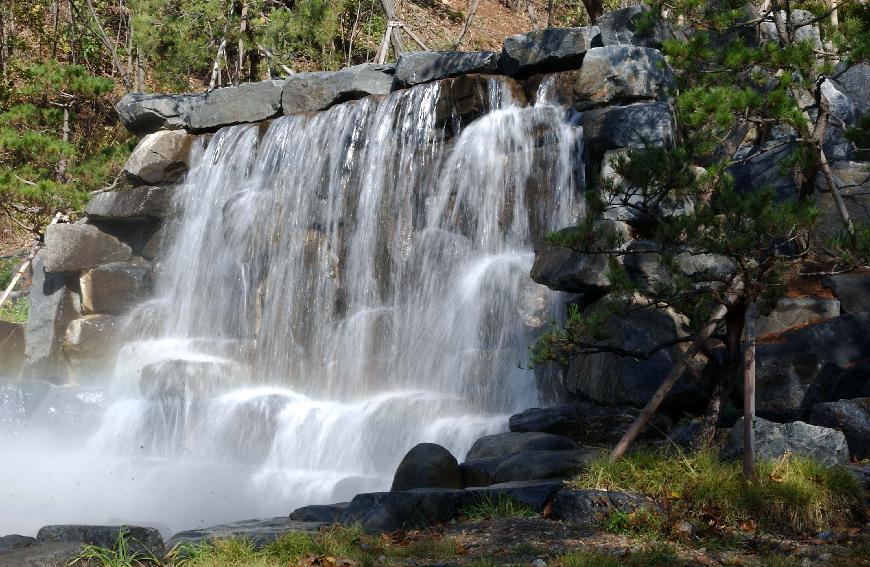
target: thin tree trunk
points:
(63, 162)
(472, 9)
(749, 397)
(216, 68)
(55, 14)
(243, 25)
(533, 16)
(676, 372)
(550, 13)
(125, 77)
(395, 37)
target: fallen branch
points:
(23, 269)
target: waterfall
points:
(339, 287)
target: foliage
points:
(121, 555)
(501, 507)
(792, 494)
(15, 311)
(657, 555)
(642, 523)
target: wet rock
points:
(160, 157)
(773, 440)
(852, 417)
(852, 290)
(589, 507)
(258, 532)
(634, 126)
(583, 422)
(91, 336)
(465, 98)
(113, 288)
(510, 443)
(19, 401)
(480, 472)
(74, 247)
(322, 513)
(184, 379)
(415, 67)
(319, 90)
(621, 73)
(820, 363)
(551, 49)
(248, 102)
(427, 465)
(75, 410)
(145, 113)
(11, 348)
(795, 311)
(9, 542)
(540, 465)
(141, 539)
(534, 493)
(52, 306)
(621, 27)
(139, 203)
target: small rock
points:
(539, 563)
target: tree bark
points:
(550, 13)
(749, 397)
(594, 8)
(472, 9)
(395, 37)
(676, 372)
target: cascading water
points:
(339, 287)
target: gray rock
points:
(634, 126)
(322, 513)
(145, 113)
(141, 539)
(75, 410)
(805, 28)
(757, 167)
(510, 443)
(540, 465)
(11, 348)
(854, 82)
(415, 67)
(535, 494)
(258, 532)
(591, 507)
(52, 306)
(427, 465)
(583, 422)
(248, 102)
(852, 290)
(9, 542)
(820, 363)
(550, 49)
(796, 311)
(113, 288)
(852, 417)
(307, 92)
(773, 440)
(41, 555)
(853, 180)
(140, 203)
(19, 401)
(91, 340)
(620, 27)
(862, 473)
(480, 472)
(74, 247)
(622, 73)
(160, 157)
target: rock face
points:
(52, 306)
(820, 363)
(113, 288)
(248, 102)
(540, 465)
(511, 443)
(590, 507)
(773, 440)
(794, 311)
(91, 338)
(855, 83)
(633, 126)
(417, 67)
(74, 247)
(427, 465)
(11, 348)
(852, 290)
(545, 50)
(621, 27)
(160, 157)
(566, 270)
(139, 203)
(146, 540)
(583, 422)
(620, 74)
(259, 532)
(307, 92)
(852, 417)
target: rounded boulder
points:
(427, 465)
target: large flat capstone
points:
(319, 90)
(418, 67)
(74, 247)
(551, 49)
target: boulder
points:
(797, 311)
(620, 74)
(113, 288)
(160, 157)
(13, 541)
(427, 465)
(319, 90)
(258, 532)
(141, 539)
(583, 422)
(550, 49)
(11, 348)
(480, 472)
(145, 113)
(852, 290)
(52, 306)
(622, 27)
(535, 494)
(511, 443)
(852, 417)
(185, 379)
(634, 126)
(540, 465)
(92, 337)
(591, 507)
(74, 247)
(41, 555)
(465, 98)
(824, 362)
(321, 513)
(773, 440)
(140, 203)
(854, 82)
(415, 67)
(853, 180)
(248, 102)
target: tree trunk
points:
(533, 16)
(594, 8)
(395, 37)
(63, 162)
(749, 397)
(676, 372)
(243, 25)
(472, 9)
(550, 13)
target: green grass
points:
(657, 555)
(15, 311)
(121, 555)
(641, 523)
(792, 494)
(7, 271)
(501, 507)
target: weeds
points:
(14, 311)
(121, 555)
(501, 507)
(658, 555)
(642, 523)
